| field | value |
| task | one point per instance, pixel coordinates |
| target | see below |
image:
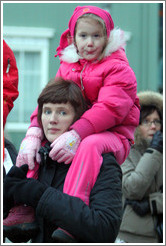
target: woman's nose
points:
(53, 118)
(153, 125)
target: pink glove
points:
(65, 147)
(29, 148)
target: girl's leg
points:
(86, 164)
(33, 173)
(21, 217)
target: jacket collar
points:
(116, 41)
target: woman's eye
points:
(62, 113)
(47, 111)
(96, 35)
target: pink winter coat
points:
(110, 86)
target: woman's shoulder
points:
(110, 173)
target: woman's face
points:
(56, 119)
(90, 39)
(150, 125)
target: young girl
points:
(92, 55)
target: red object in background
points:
(10, 80)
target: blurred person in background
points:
(142, 181)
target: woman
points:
(98, 222)
(143, 174)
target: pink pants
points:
(86, 164)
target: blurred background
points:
(33, 31)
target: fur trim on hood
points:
(117, 40)
(140, 143)
(147, 98)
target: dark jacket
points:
(98, 222)
(12, 152)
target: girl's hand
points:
(65, 147)
(29, 148)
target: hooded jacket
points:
(109, 86)
(143, 178)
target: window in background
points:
(31, 50)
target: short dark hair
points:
(59, 90)
(147, 110)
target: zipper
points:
(8, 65)
(82, 86)
(45, 157)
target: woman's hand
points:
(140, 207)
(157, 141)
(18, 189)
(8, 201)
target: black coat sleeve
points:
(98, 222)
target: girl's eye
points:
(83, 35)
(96, 35)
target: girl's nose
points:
(90, 41)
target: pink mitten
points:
(65, 147)
(29, 148)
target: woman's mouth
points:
(53, 130)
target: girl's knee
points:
(91, 143)
(90, 140)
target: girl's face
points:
(90, 39)
(56, 119)
(150, 125)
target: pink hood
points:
(81, 10)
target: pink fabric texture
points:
(33, 173)
(86, 164)
(110, 87)
(29, 148)
(65, 147)
(81, 10)
(34, 122)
